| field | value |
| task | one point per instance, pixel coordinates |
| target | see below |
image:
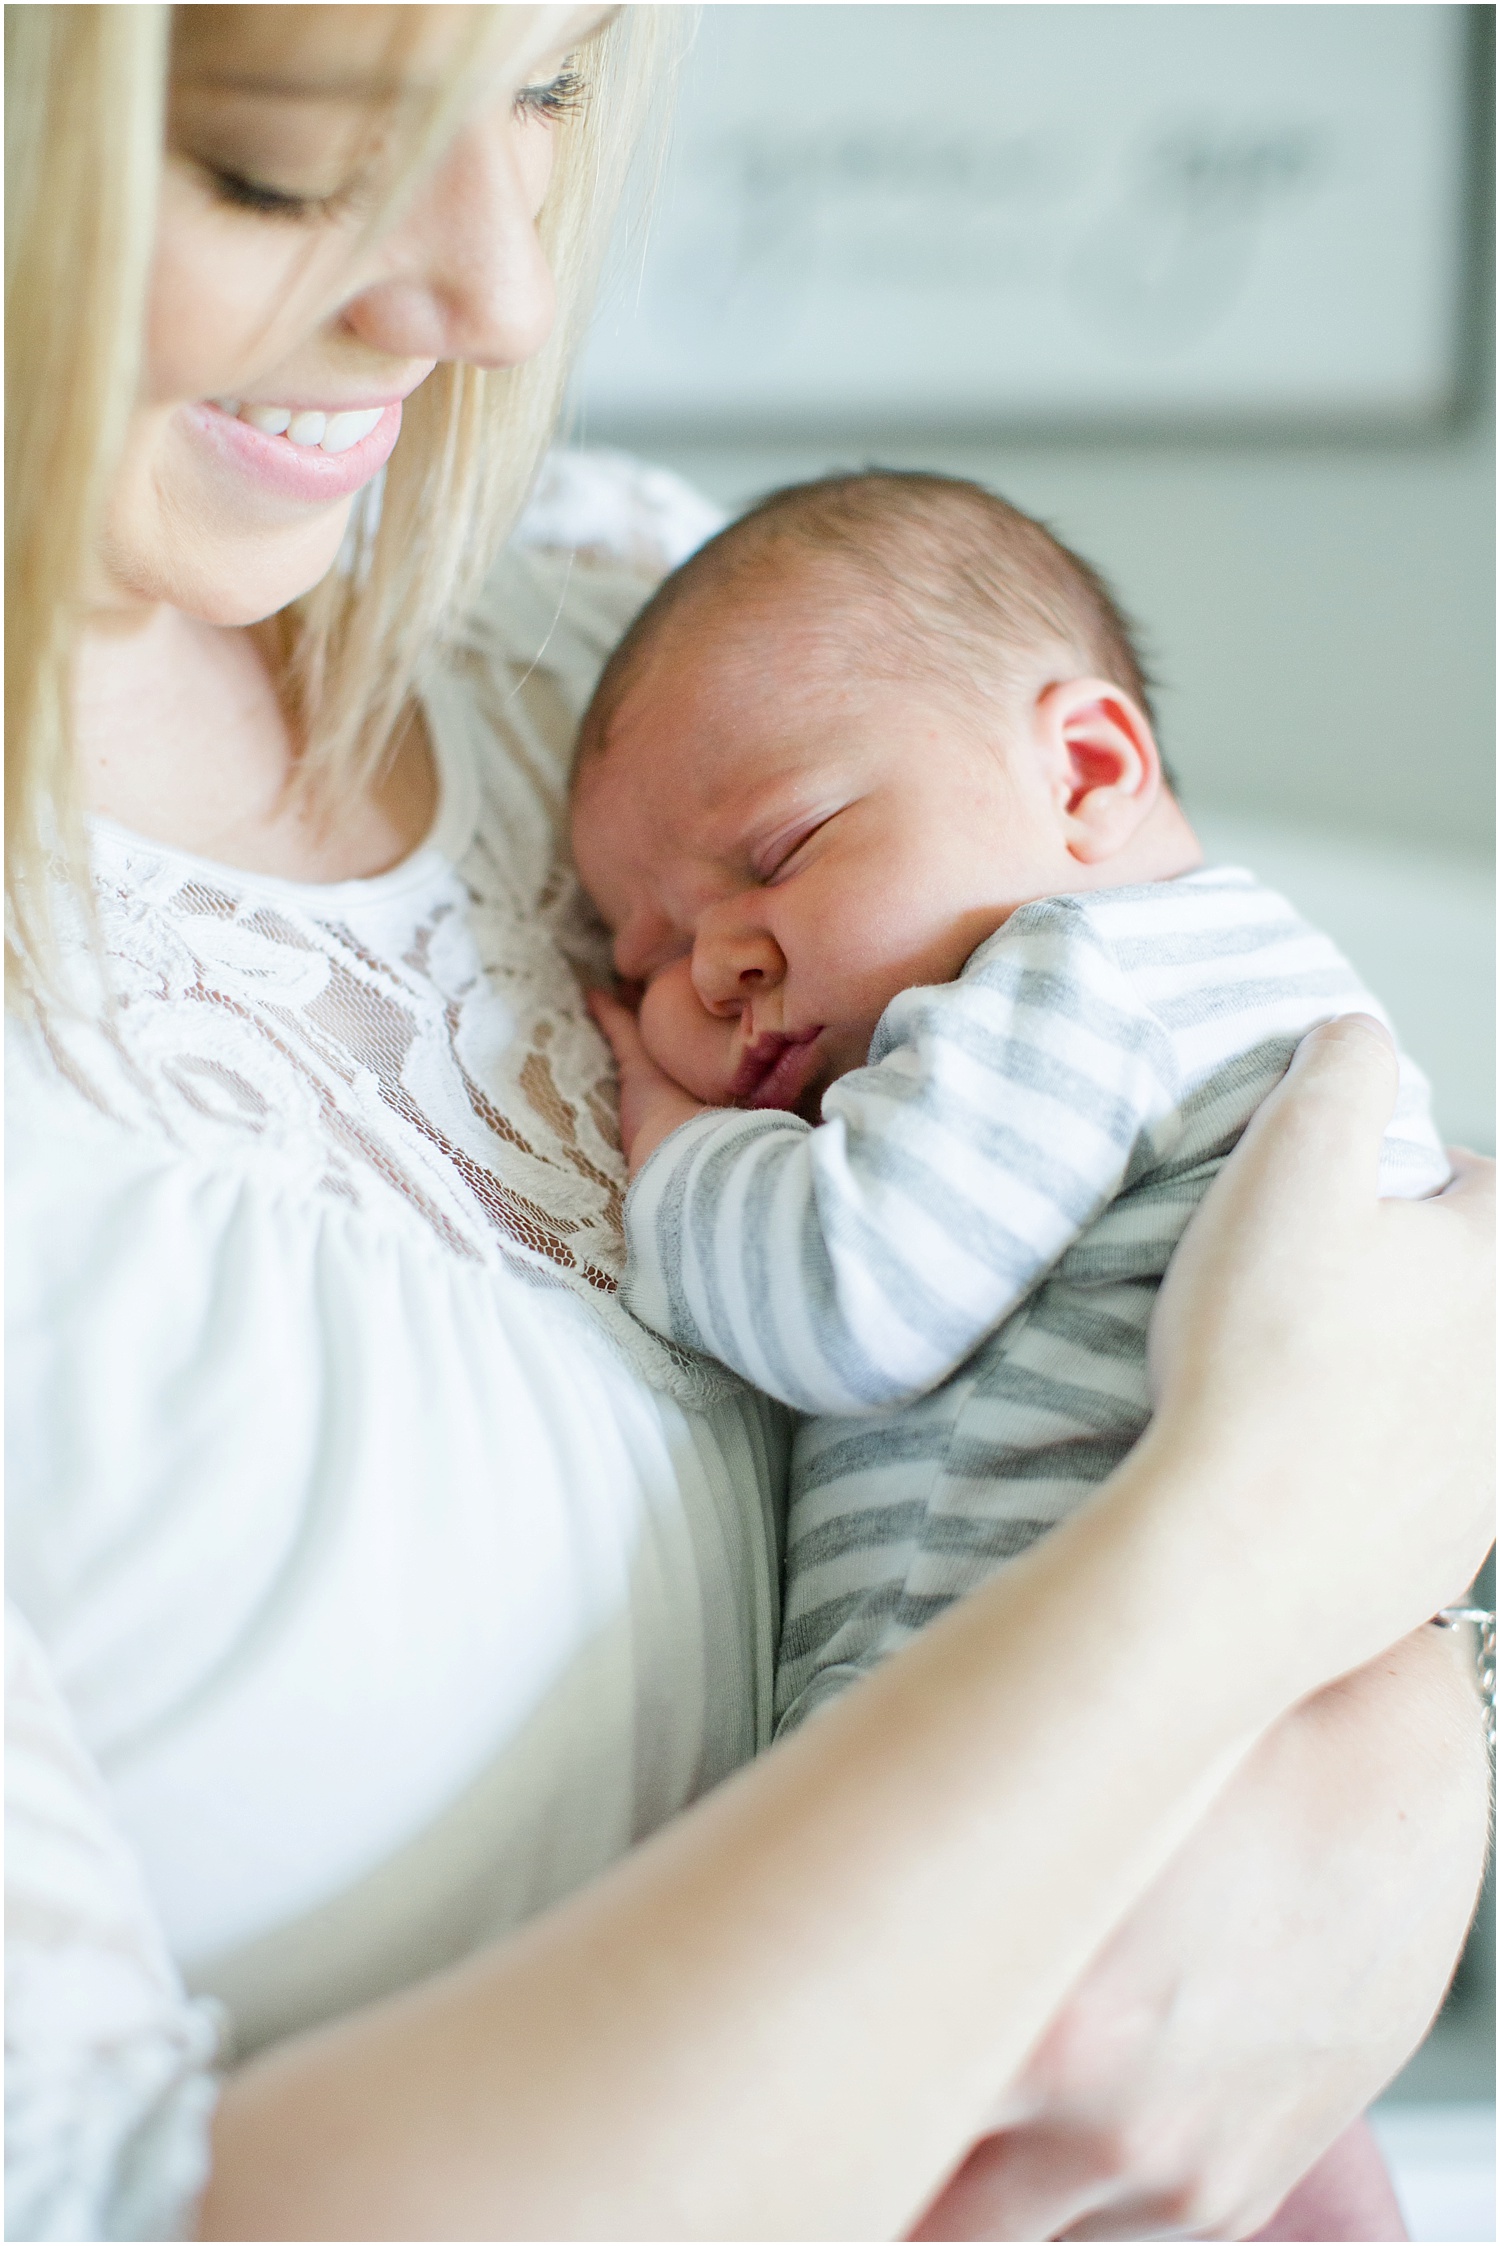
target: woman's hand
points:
(651, 1104)
(1294, 1951)
(1268, 1986)
(1311, 1339)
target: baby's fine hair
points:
(967, 589)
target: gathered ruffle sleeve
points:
(110, 2083)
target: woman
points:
(392, 1581)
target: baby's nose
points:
(733, 967)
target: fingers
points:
(1345, 1072)
(619, 1026)
(604, 1006)
(1320, 1130)
(1362, 1032)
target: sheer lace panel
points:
(416, 1047)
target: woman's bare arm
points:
(1270, 1984)
(788, 2014)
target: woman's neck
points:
(181, 737)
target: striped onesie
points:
(954, 1271)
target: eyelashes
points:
(248, 195)
(561, 94)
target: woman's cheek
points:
(222, 306)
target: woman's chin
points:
(255, 595)
(184, 530)
(233, 581)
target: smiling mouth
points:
(775, 1070)
(311, 429)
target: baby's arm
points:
(853, 1266)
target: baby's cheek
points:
(683, 1038)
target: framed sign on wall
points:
(1012, 217)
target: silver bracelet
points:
(1483, 1619)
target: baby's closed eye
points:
(781, 855)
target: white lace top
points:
(381, 1579)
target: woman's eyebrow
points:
(371, 86)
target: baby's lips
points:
(764, 1060)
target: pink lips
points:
(291, 471)
(775, 1070)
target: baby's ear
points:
(1102, 762)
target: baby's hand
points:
(651, 1105)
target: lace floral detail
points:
(416, 1047)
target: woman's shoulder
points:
(600, 532)
(614, 512)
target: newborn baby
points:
(944, 1028)
(944, 1025)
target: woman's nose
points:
(463, 273)
(732, 967)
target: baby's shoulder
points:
(1047, 947)
(1210, 921)
(1049, 977)
(1194, 904)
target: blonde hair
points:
(85, 101)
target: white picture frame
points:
(993, 218)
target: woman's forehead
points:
(322, 52)
(359, 53)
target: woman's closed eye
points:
(547, 102)
(276, 202)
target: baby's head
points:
(835, 752)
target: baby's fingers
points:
(619, 1026)
(651, 1104)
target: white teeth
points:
(329, 432)
(346, 429)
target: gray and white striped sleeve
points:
(853, 1266)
